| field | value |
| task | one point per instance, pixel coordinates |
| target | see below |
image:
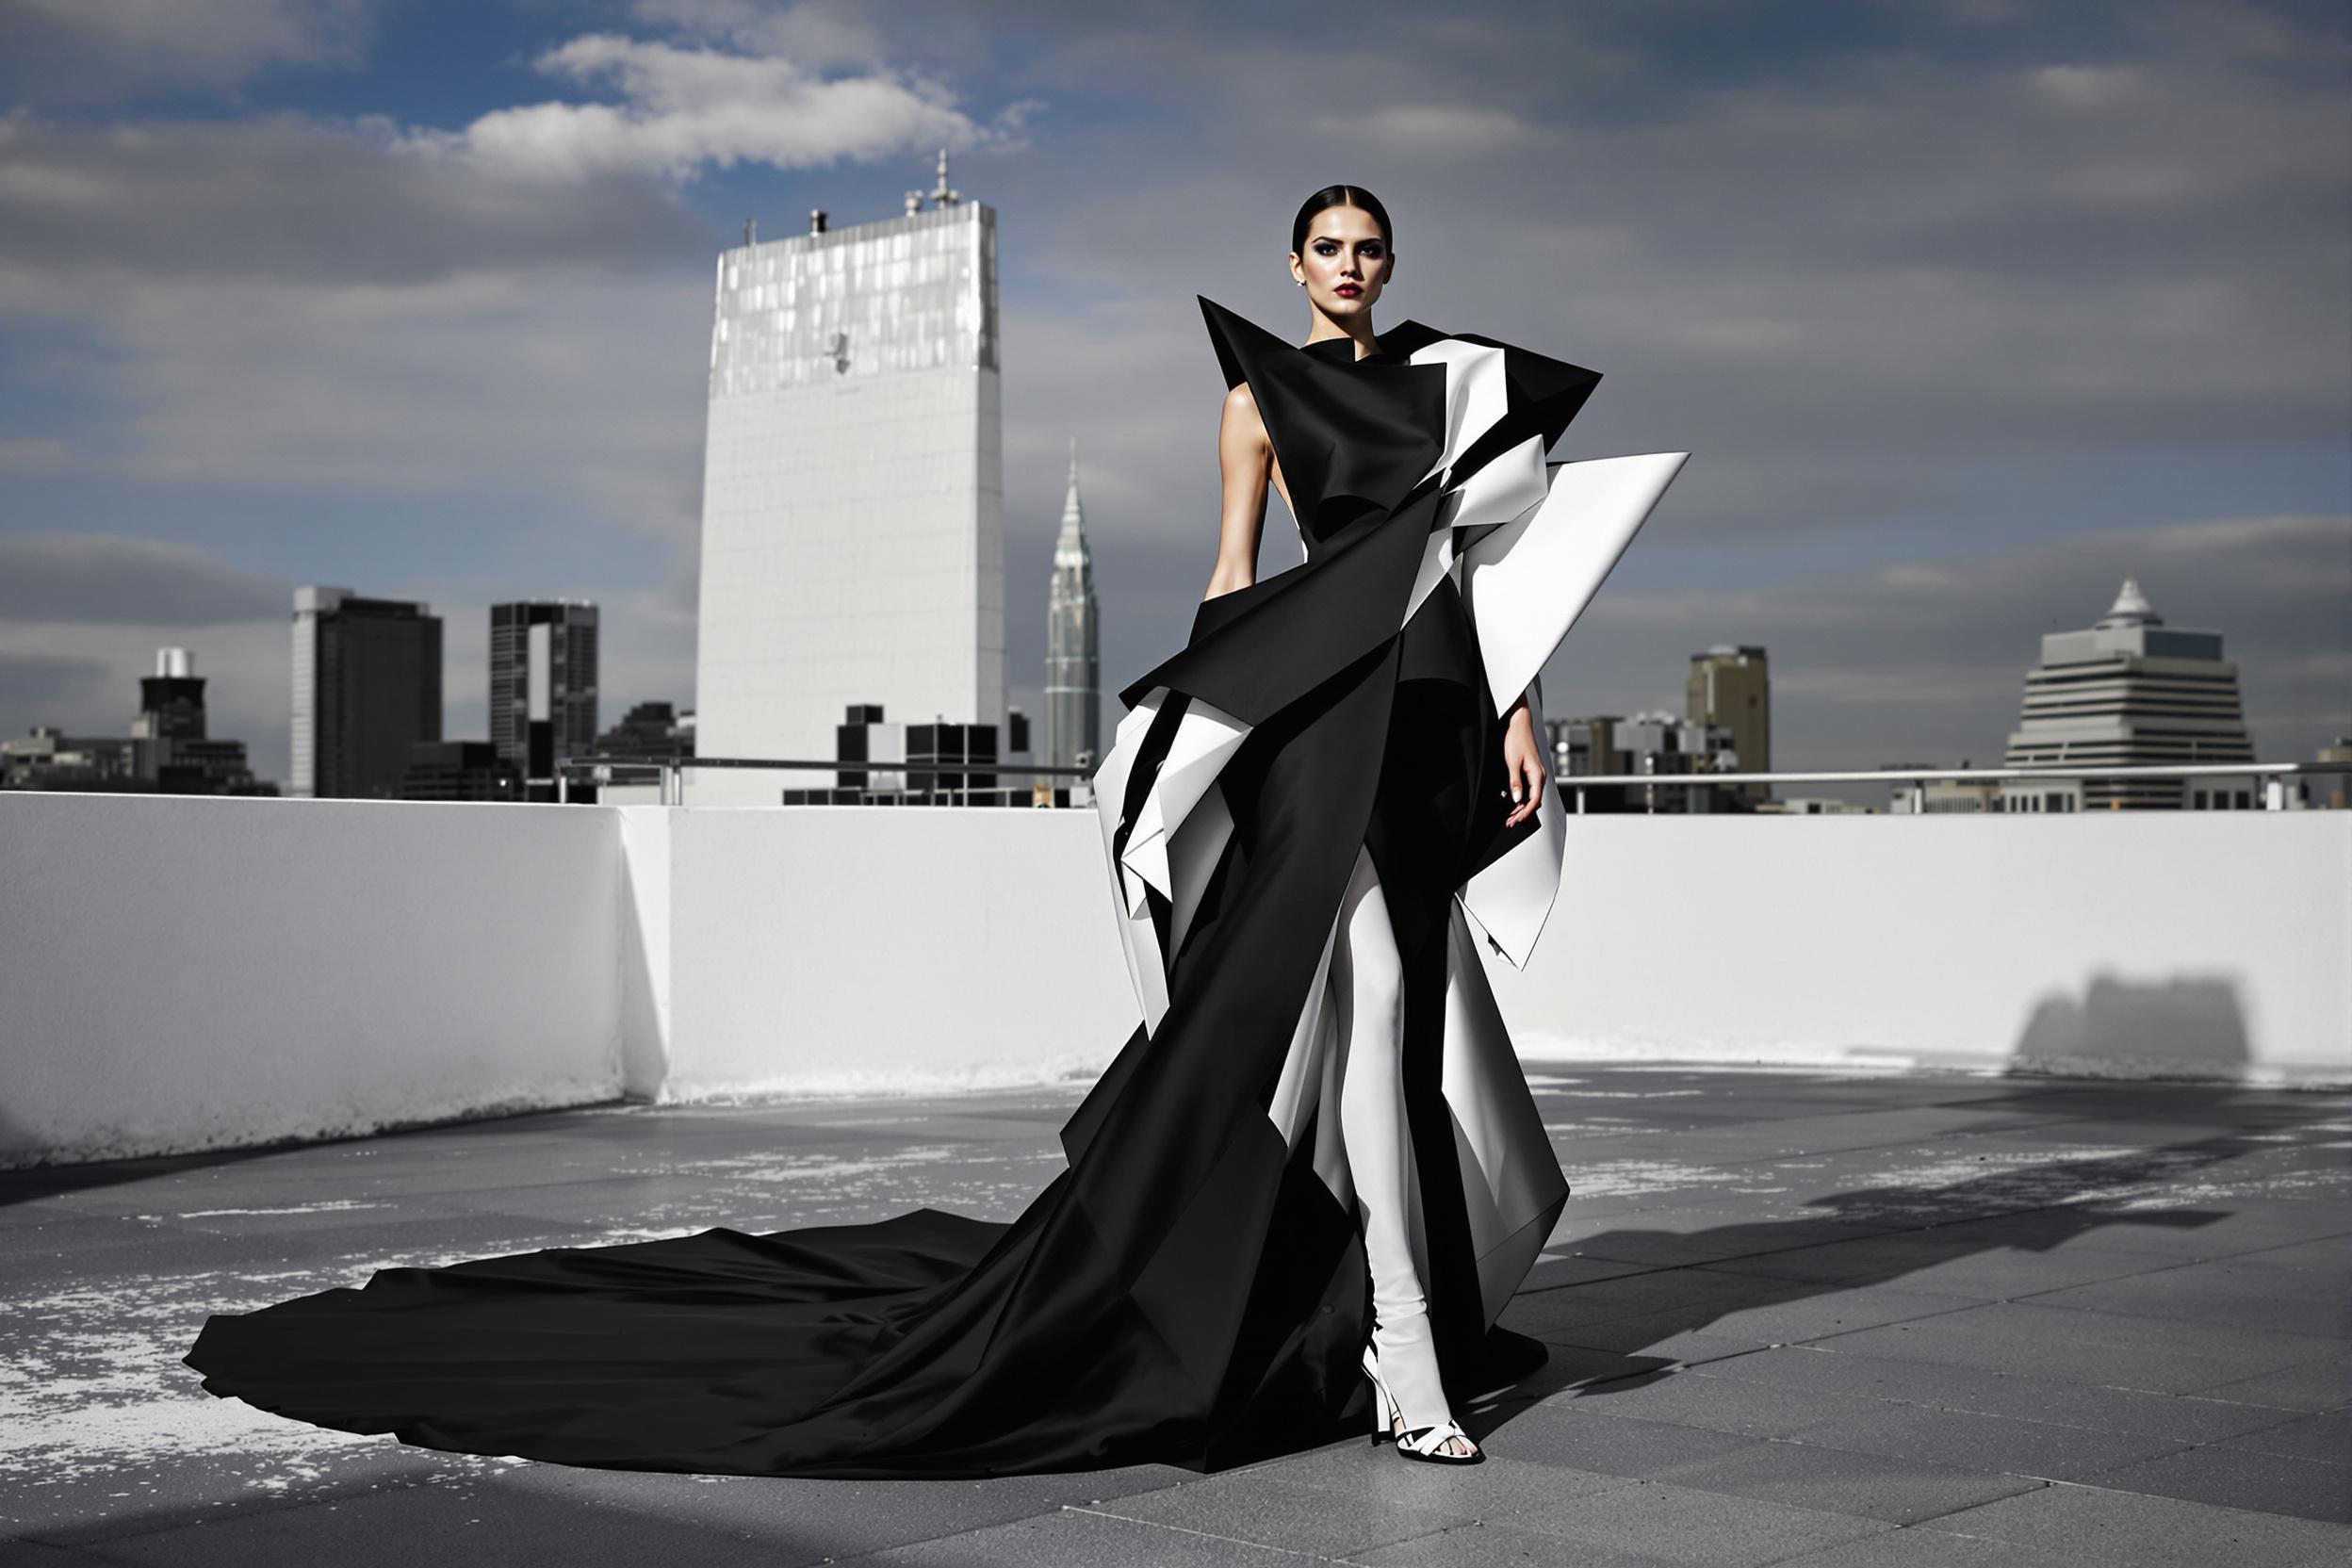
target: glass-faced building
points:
(853, 491)
(543, 685)
(367, 688)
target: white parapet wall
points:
(179, 974)
(834, 949)
(2207, 945)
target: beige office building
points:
(1732, 686)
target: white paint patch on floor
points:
(1808, 1057)
(1638, 1094)
(93, 1389)
(1619, 1178)
(336, 1206)
(819, 1166)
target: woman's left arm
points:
(1523, 761)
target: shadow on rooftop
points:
(26, 1183)
(2189, 1029)
(1863, 1237)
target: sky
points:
(1966, 310)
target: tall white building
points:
(2130, 689)
(853, 491)
(1073, 654)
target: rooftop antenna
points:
(751, 231)
(940, 194)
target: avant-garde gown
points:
(1193, 1288)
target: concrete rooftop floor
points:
(1796, 1317)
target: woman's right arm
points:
(1245, 458)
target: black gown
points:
(1192, 1288)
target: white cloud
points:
(684, 109)
(96, 49)
(562, 393)
(1433, 131)
(293, 200)
(817, 37)
(117, 580)
(83, 677)
(2091, 88)
(34, 455)
(332, 311)
(81, 615)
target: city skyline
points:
(509, 668)
(447, 361)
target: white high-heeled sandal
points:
(1388, 1418)
(1425, 1444)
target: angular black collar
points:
(1341, 351)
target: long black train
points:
(1191, 1289)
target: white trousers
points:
(1368, 980)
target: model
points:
(1301, 1194)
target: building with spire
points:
(852, 487)
(2130, 689)
(1074, 704)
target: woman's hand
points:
(1523, 760)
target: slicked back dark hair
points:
(1338, 196)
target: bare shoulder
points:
(1241, 410)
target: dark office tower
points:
(649, 729)
(459, 769)
(367, 688)
(170, 708)
(1733, 687)
(543, 686)
(1073, 705)
(170, 749)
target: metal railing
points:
(2273, 775)
(670, 772)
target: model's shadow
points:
(1677, 1282)
(2191, 1029)
(24, 1183)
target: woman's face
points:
(1346, 263)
